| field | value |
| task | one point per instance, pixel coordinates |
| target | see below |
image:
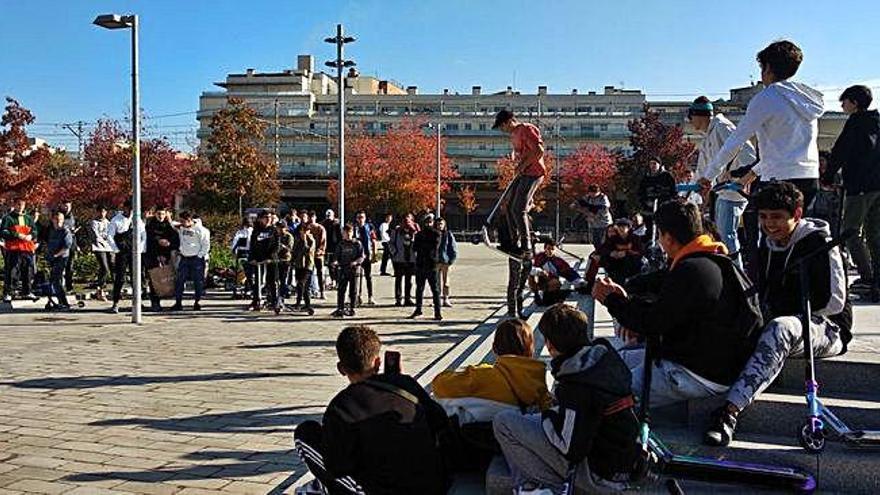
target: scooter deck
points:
(867, 438)
(483, 239)
(741, 473)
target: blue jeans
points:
(190, 268)
(56, 278)
(670, 382)
(727, 215)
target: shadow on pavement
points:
(269, 420)
(74, 382)
(414, 337)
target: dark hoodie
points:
(857, 152)
(594, 417)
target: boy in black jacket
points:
(593, 429)
(697, 312)
(262, 246)
(348, 259)
(427, 248)
(788, 237)
(379, 433)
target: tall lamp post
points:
(340, 64)
(116, 21)
(436, 127)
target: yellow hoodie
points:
(511, 381)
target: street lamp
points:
(340, 64)
(437, 127)
(115, 21)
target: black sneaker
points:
(721, 428)
(415, 314)
(177, 307)
(338, 313)
(197, 307)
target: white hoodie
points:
(194, 241)
(784, 117)
(121, 224)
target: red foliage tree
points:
(650, 139)
(467, 199)
(21, 167)
(589, 164)
(104, 177)
(395, 171)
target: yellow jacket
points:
(481, 391)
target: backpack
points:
(749, 319)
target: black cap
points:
(502, 117)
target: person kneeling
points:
(544, 278)
(707, 331)
(788, 237)
(593, 429)
(622, 253)
(379, 434)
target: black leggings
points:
(105, 262)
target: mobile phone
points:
(392, 362)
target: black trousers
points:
(105, 263)
(403, 279)
(68, 270)
(319, 267)
(429, 276)
(346, 280)
(386, 257)
(308, 443)
(121, 267)
(17, 268)
(368, 275)
(303, 279)
(517, 276)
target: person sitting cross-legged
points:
(696, 312)
(592, 430)
(788, 237)
(379, 434)
(622, 253)
(547, 270)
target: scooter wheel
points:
(80, 304)
(813, 442)
(476, 239)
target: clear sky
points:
(65, 69)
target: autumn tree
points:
(235, 169)
(590, 164)
(103, 177)
(505, 169)
(21, 166)
(395, 171)
(467, 199)
(650, 138)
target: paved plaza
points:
(194, 403)
(199, 403)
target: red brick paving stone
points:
(39, 486)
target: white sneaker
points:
(7, 298)
(371, 302)
(446, 303)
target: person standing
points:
(102, 250)
(319, 233)
(385, 238)
(427, 248)
(729, 205)
(120, 236)
(656, 187)
(403, 258)
(528, 148)
(162, 241)
(194, 244)
(365, 233)
(18, 231)
(334, 235)
(240, 247)
(348, 257)
(304, 263)
(597, 209)
(262, 244)
(60, 243)
(278, 272)
(857, 153)
(70, 222)
(448, 253)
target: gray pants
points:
(781, 338)
(670, 382)
(533, 460)
(516, 210)
(862, 212)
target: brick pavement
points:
(192, 403)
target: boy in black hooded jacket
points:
(593, 428)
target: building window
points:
(483, 127)
(451, 127)
(467, 126)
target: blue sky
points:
(63, 68)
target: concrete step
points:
(774, 413)
(854, 372)
(841, 469)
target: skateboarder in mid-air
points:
(515, 226)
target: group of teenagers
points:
(181, 243)
(715, 328)
(279, 253)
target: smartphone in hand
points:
(392, 362)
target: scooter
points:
(821, 423)
(658, 460)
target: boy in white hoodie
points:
(195, 244)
